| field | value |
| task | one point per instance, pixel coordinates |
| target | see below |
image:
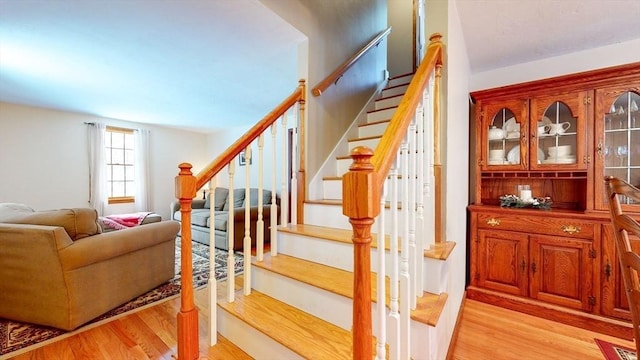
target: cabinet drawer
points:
(537, 225)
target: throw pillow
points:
(238, 200)
(219, 200)
(253, 194)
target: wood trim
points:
(119, 129)
(572, 82)
(122, 200)
(245, 140)
(337, 73)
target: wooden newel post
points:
(361, 203)
(188, 347)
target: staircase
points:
(301, 303)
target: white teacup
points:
(560, 151)
(496, 154)
(559, 128)
(542, 130)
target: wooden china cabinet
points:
(558, 138)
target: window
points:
(120, 165)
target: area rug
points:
(616, 352)
(17, 337)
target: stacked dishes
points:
(560, 154)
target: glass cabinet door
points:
(505, 134)
(618, 149)
(558, 132)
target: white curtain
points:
(141, 164)
(97, 167)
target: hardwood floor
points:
(490, 332)
(485, 332)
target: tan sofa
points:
(58, 270)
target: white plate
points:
(511, 125)
(545, 121)
(568, 160)
(514, 155)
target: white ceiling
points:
(500, 33)
(183, 63)
(192, 63)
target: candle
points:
(525, 194)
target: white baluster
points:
(231, 261)
(246, 246)
(260, 222)
(212, 286)
(274, 207)
(420, 233)
(405, 292)
(294, 177)
(411, 212)
(394, 316)
(381, 352)
(284, 198)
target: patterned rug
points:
(616, 352)
(17, 337)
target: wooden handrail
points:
(241, 144)
(186, 186)
(337, 73)
(389, 144)
(363, 183)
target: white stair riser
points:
(385, 114)
(332, 216)
(253, 342)
(372, 130)
(370, 143)
(344, 164)
(340, 255)
(396, 90)
(400, 80)
(387, 102)
(332, 189)
(326, 305)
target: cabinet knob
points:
(493, 222)
(571, 229)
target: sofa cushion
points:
(220, 198)
(253, 200)
(200, 217)
(221, 220)
(77, 222)
(238, 200)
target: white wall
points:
(400, 48)
(591, 59)
(44, 162)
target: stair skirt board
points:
(252, 341)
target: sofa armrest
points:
(175, 206)
(97, 248)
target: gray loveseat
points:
(200, 212)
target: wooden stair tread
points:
(440, 251)
(366, 138)
(302, 333)
(327, 233)
(375, 123)
(389, 97)
(340, 282)
(387, 108)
